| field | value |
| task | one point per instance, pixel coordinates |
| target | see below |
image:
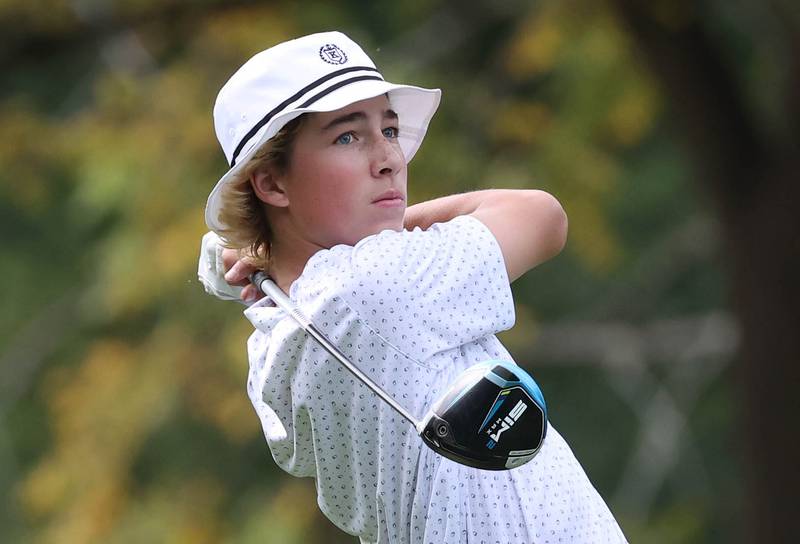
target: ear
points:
(269, 187)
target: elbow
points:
(555, 223)
(561, 227)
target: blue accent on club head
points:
(492, 412)
(525, 380)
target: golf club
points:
(492, 417)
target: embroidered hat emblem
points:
(332, 54)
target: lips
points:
(390, 195)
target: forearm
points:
(439, 210)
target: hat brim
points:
(414, 106)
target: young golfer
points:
(318, 144)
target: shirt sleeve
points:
(430, 290)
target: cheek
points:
(338, 178)
(330, 190)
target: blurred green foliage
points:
(124, 414)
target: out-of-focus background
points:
(667, 130)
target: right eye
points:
(345, 138)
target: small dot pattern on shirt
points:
(411, 309)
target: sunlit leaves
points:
(239, 33)
(30, 156)
(280, 518)
(521, 123)
(38, 15)
(100, 414)
(184, 511)
(534, 47)
(594, 98)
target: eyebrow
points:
(357, 116)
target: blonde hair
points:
(243, 214)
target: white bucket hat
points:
(316, 73)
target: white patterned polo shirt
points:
(411, 309)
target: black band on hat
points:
(299, 94)
(334, 87)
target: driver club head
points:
(492, 417)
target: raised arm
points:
(530, 225)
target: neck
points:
(288, 256)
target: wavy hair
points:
(247, 229)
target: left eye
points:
(390, 132)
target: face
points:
(347, 175)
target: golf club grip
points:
(268, 287)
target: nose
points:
(387, 158)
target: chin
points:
(396, 226)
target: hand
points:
(238, 268)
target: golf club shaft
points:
(268, 287)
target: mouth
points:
(390, 198)
(390, 203)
